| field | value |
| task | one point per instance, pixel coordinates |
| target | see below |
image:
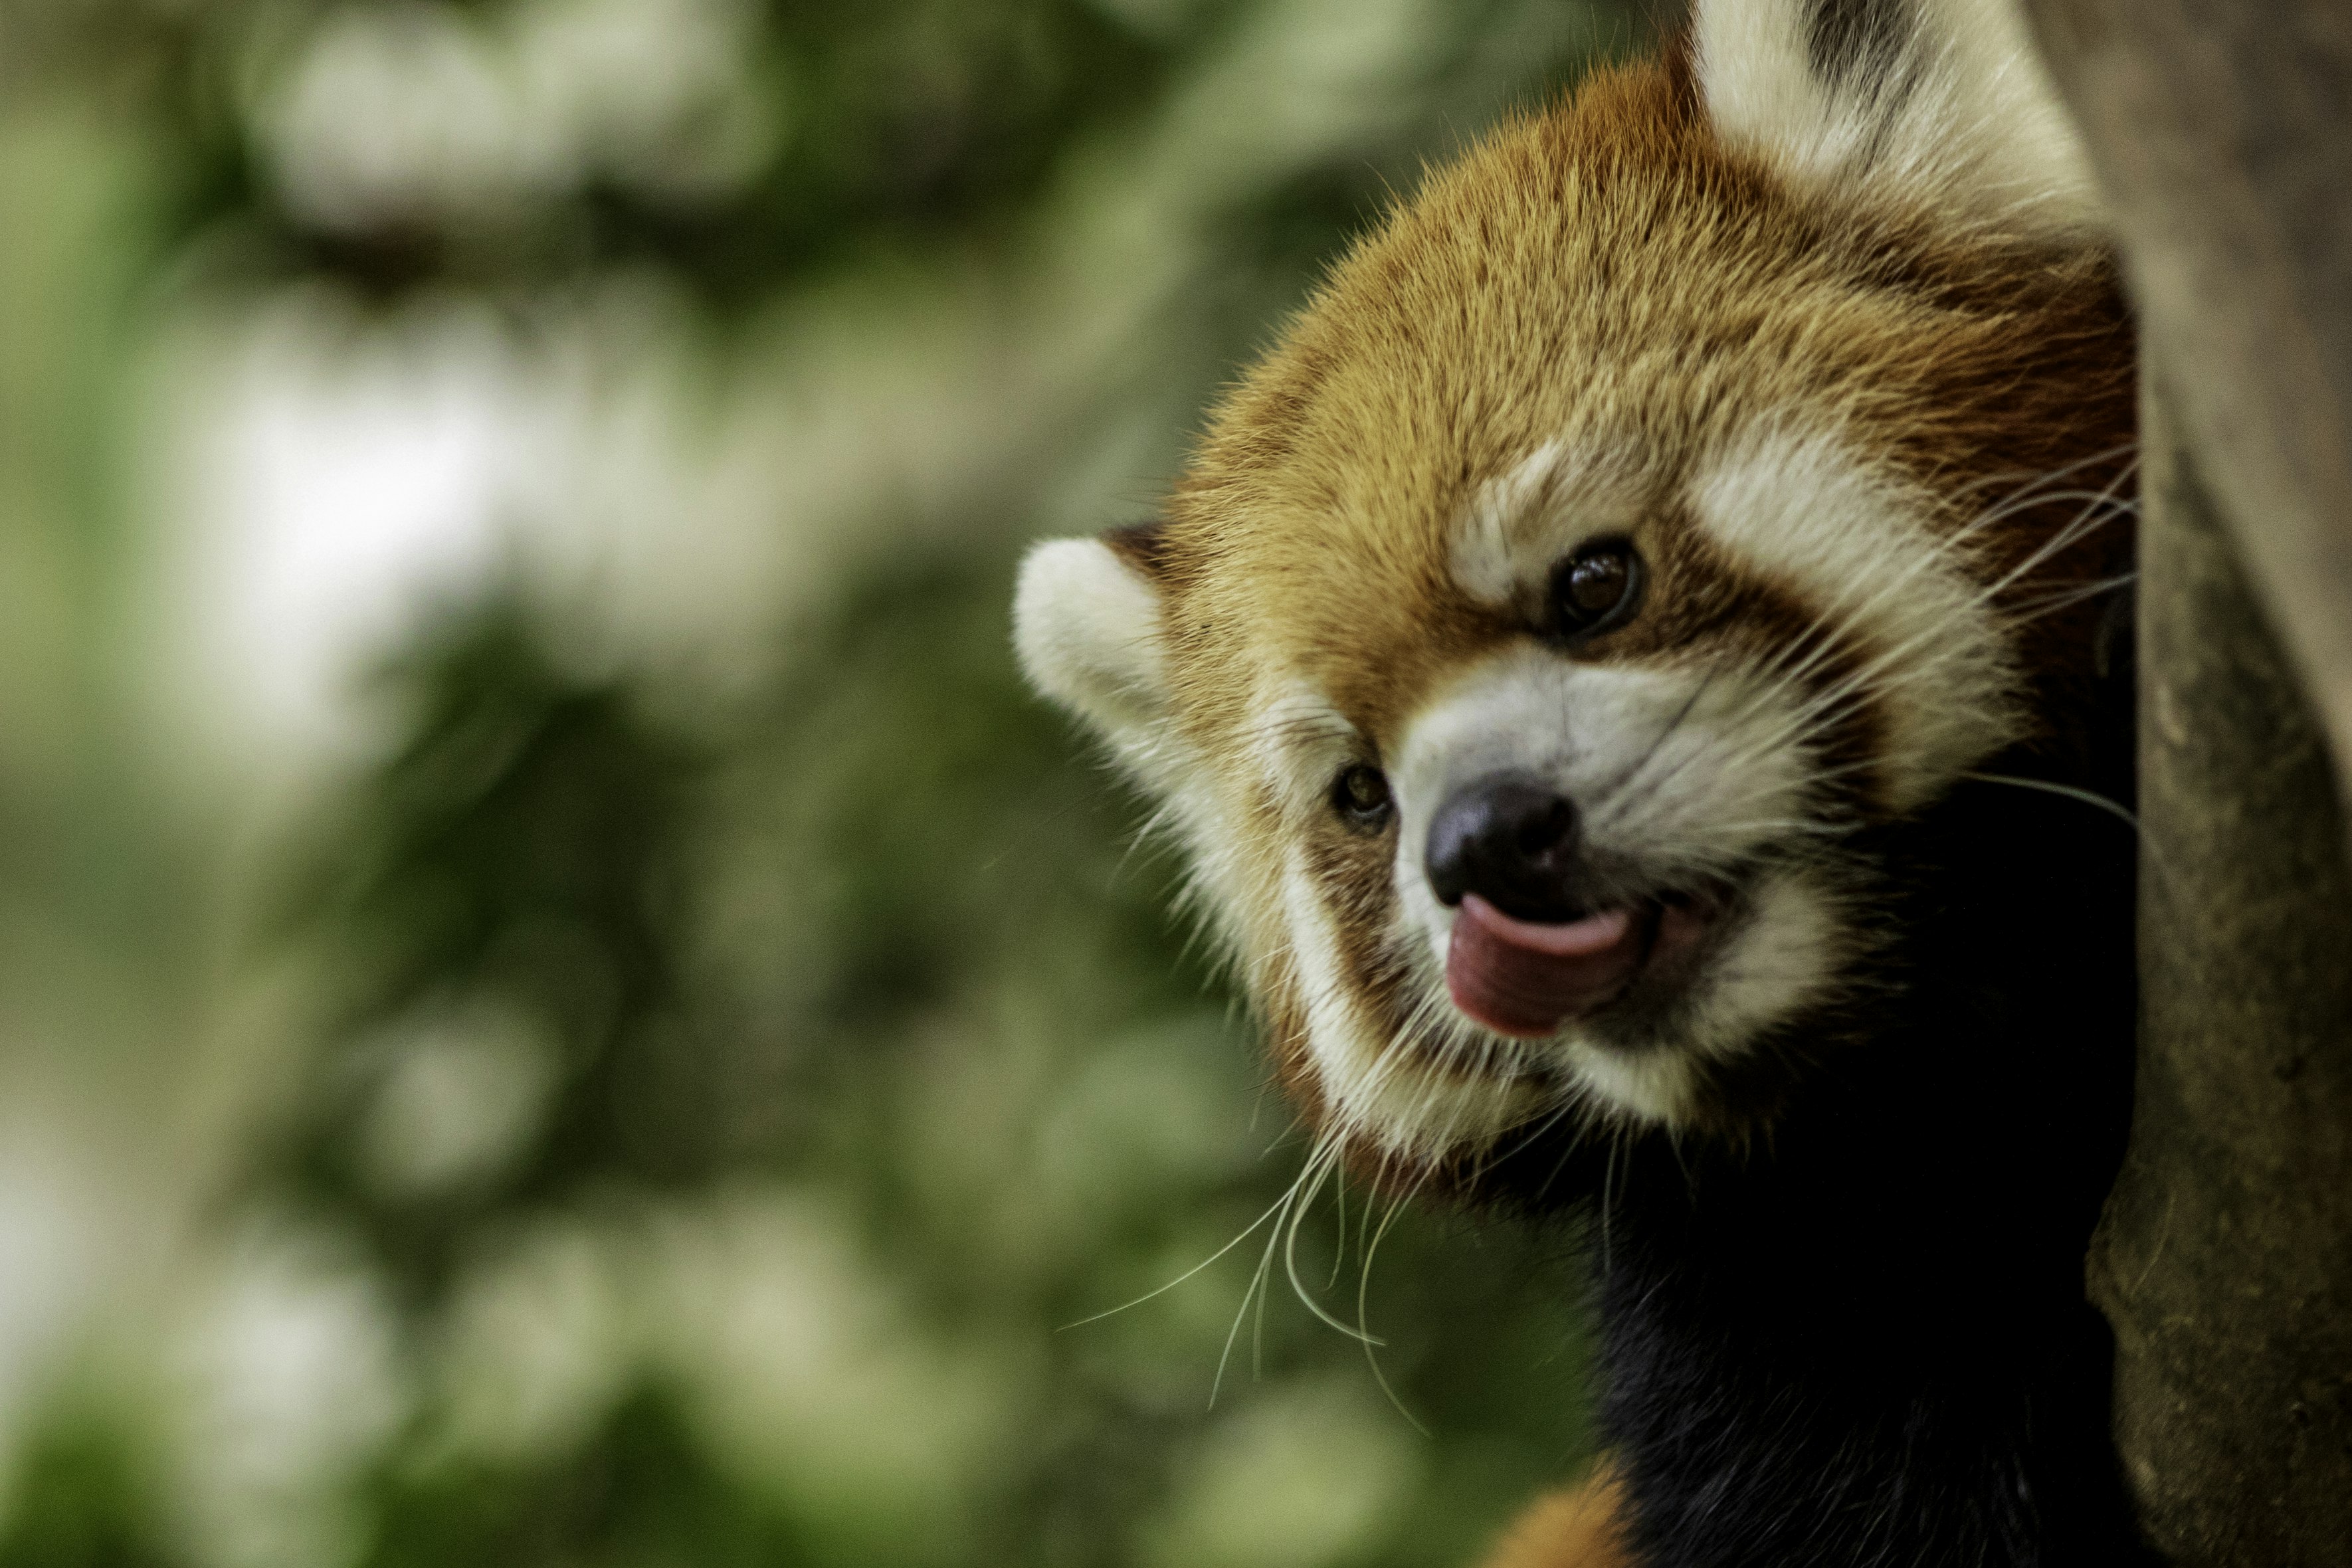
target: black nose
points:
(1510, 839)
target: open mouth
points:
(1529, 979)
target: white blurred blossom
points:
(413, 113)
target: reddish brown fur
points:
(1576, 1527)
(1444, 347)
(1808, 392)
(1608, 276)
(1610, 260)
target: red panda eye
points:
(1360, 794)
(1598, 588)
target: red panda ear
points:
(1086, 621)
(1940, 104)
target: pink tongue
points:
(1523, 979)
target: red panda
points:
(1631, 670)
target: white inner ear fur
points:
(1086, 627)
(1963, 119)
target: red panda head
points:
(1688, 486)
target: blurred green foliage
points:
(791, 1068)
(81, 1501)
(642, 1490)
(521, 851)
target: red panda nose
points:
(1512, 840)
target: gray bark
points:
(2223, 1261)
(2223, 134)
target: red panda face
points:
(1631, 534)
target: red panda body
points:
(1628, 669)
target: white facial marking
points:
(1654, 1086)
(1859, 550)
(1776, 964)
(1778, 960)
(1381, 1087)
(1678, 768)
(1297, 744)
(1521, 523)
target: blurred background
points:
(559, 1004)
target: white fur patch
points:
(1297, 742)
(1963, 120)
(1520, 523)
(1381, 1088)
(1654, 1086)
(1777, 963)
(1689, 772)
(1086, 627)
(1860, 552)
(1782, 960)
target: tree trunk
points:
(2222, 1262)
(2223, 138)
